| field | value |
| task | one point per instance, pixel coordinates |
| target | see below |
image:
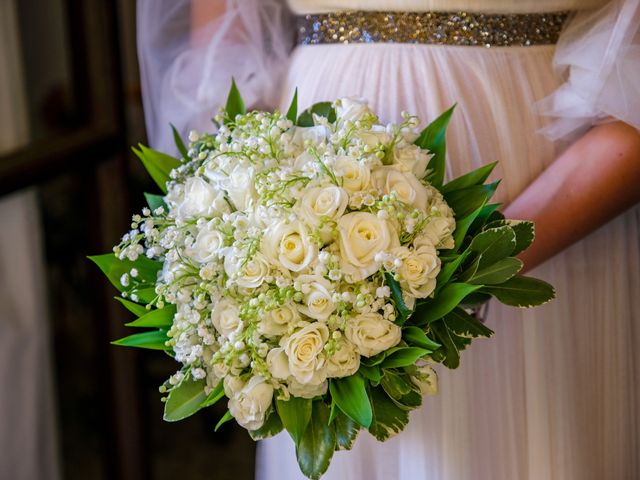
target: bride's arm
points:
(594, 180)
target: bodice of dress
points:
(488, 6)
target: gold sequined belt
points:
(438, 28)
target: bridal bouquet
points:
(313, 269)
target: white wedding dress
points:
(556, 393)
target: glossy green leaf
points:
(499, 272)
(272, 426)
(155, 202)
(470, 269)
(493, 244)
(463, 226)
(154, 340)
(114, 268)
(350, 395)
(372, 373)
(225, 418)
(160, 318)
(521, 291)
(404, 357)
(482, 218)
(322, 109)
(524, 230)
(182, 148)
(388, 418)
(135, 308)
(235, 104)
(214, 395)
(475, 177)
(433, 138)
(447, 300)
(292, 112)
(451, 352)
(316, 447)
(346, 431)
(416, 337)
(465, 201)
(401, 390)
(295, 414)
(464, 325)
(449, 268)
(158, 164)
(185, 399)
(398, 300)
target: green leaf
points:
(476, 177)
(465, 201)
(155, 202)
(346, 431)
(295, 414)
(388, 418)
(318, 443)
(449, 268)
(158, 164)
(154, 340)
(292, 113)
(417, 337)
(145, 295)
(401, 390)
(135, 308)
(350, 395)
(524, 230)
(322, 109)
(179, 143)
(493, 244)
(433, 138)
(225, 418)
(114, 268)
(463, 225)
(160, 318)
(464, 325)
(521, 291)
(404, 357)
(471, 269)
(475, 299)
(447, 300)
(372, 373)
(398, 300)
(214, 395)
(272, 426)
(484, 215)
(185, 399)
(235, 104)
(499, 272)
(451, 352)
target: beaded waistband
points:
(439, 28)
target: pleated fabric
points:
(554, 395)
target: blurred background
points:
(71, 405)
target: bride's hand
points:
(594, 180)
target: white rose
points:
(355, 175)
(301, 390)
(248, 274)
(352, 109)
(316, 134)
(232, 385)
(345, 361)
(412, 159)
(426, 380)
(305, 353)
(276, 322)
(207, 245)
(318, 203)
(372, 334)
(289, 245)
(225, 317)
(318, 303)
(200, 199)
(241, 187)
(361, 236)
(376, 135)
(250, 405)
(419, 269)
(407, 187)
(278, 363)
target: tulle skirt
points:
(554, 395)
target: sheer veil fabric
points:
(554, 395)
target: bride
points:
(555, 395)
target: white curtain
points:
(28, 448)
